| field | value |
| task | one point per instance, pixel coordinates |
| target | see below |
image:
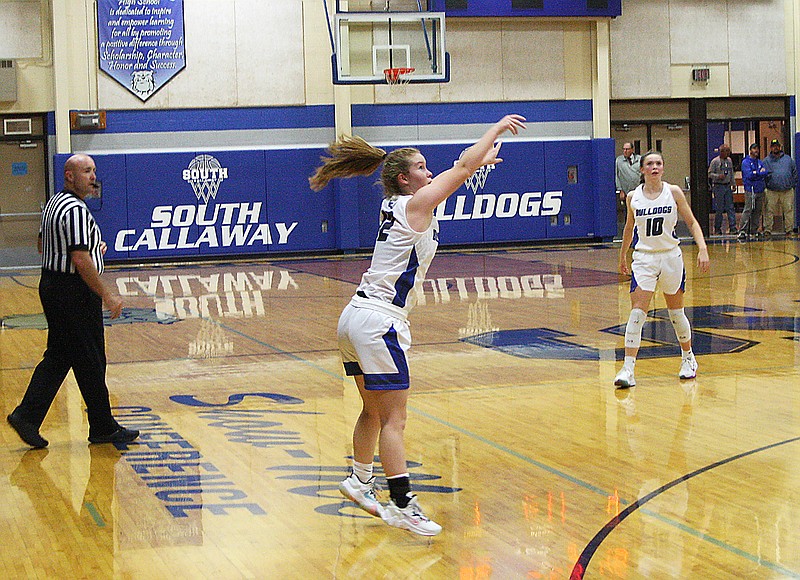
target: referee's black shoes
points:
(26, 431)
(121, 435)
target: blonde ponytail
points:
(349, 156)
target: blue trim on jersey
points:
(390, 381)
(635, 237)
(405, 282)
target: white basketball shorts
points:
(374, 344)
(662, 269)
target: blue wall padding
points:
(259, 202)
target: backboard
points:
(368, 43)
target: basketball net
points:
(202, 182)
(398, 77)
(206, 190)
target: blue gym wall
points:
(548, 187)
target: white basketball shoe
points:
(410, 518)
(688, 368)
(363, 494)
(624, 378)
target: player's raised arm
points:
(484, 152)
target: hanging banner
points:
(141, 43)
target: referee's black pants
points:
(75, 340)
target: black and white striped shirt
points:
(67, 225)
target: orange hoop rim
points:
(397, 75)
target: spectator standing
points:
(780, 182)
(627, 175)
(720, 172)
(753, 174)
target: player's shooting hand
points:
(510, 123)
(491, 157)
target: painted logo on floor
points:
(658, 336)
(128, 316)
(263, 428)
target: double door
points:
(23, 192)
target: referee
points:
(72, 297)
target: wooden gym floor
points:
(518, 443)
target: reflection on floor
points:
(517, 442)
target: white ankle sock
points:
(363, 471)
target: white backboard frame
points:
(372, 25)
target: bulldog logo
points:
(143, 83)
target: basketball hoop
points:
(398, 76)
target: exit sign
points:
(701, 75)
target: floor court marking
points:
(631, 507)
(98, 519)
(553, 470)
(583, 560)
(597, 540)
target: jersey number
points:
(655, 226)
(387, 220)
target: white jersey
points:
(399, 263)
(655, 221)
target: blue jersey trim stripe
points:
(385, 382)
(405, 282)
(634, 284)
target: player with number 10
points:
(653, 209)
